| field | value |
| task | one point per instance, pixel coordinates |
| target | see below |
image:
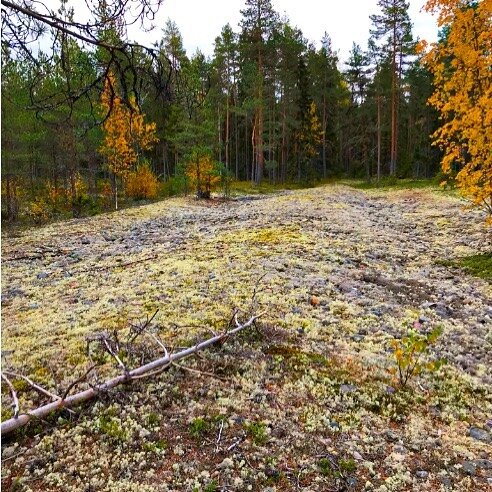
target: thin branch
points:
(15, 400)
(37, 387)
(166, 353)
(219, 436)
(114, 354)
(201, 373)
(75, 383)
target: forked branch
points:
(149, 369)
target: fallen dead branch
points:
(146, 370)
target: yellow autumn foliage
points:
(142, 183)
(125, 131)
(311, 134)
(202, 174)
(461, 66)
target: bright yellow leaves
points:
(125, 132)
(142, 183)
(462, 69)
(202, 173)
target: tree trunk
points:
(379, 138)
(260, 159)
(324, 138)
(393, 107)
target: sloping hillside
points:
(308, 401)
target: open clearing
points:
(304, 403)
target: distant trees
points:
(461, 65)
(258, 25)
(268, 104)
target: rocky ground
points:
(309, 400)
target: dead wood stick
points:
(70, 401)
(37, 387)
(113, 354)
(163, 347)
(217, 443)
(117, 265)
(139, 330)
(15, 400)
(77, 381)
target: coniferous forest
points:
(269, 105)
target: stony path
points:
(319, 383)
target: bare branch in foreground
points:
(148, 369)
(15, 400)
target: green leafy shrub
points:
(410, 354)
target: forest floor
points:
(307, 401)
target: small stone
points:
(351, 482)
(85, 241)
(334, 424)
(301, 330)
(358, 338)
(469, 468)
(33, 305)
(483, 463)
(391, 435)
(390, 390)
(347, 388)
(428, 304)
(446, 481)
(422, 474)
(42, 275)
(296, 310)
(357, 456)
(489, 481)
(479, 434)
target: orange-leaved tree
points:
(126, 134)
(461, 63)
(201, 170)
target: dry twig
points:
(15, 400)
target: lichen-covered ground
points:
(306, 401)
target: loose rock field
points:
(305, 401)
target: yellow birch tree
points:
(125, 133)
(461, 63)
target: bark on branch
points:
(148, 369)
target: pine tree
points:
(258, 26)
(394, 28)
(329, 94)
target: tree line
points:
(267, 105)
